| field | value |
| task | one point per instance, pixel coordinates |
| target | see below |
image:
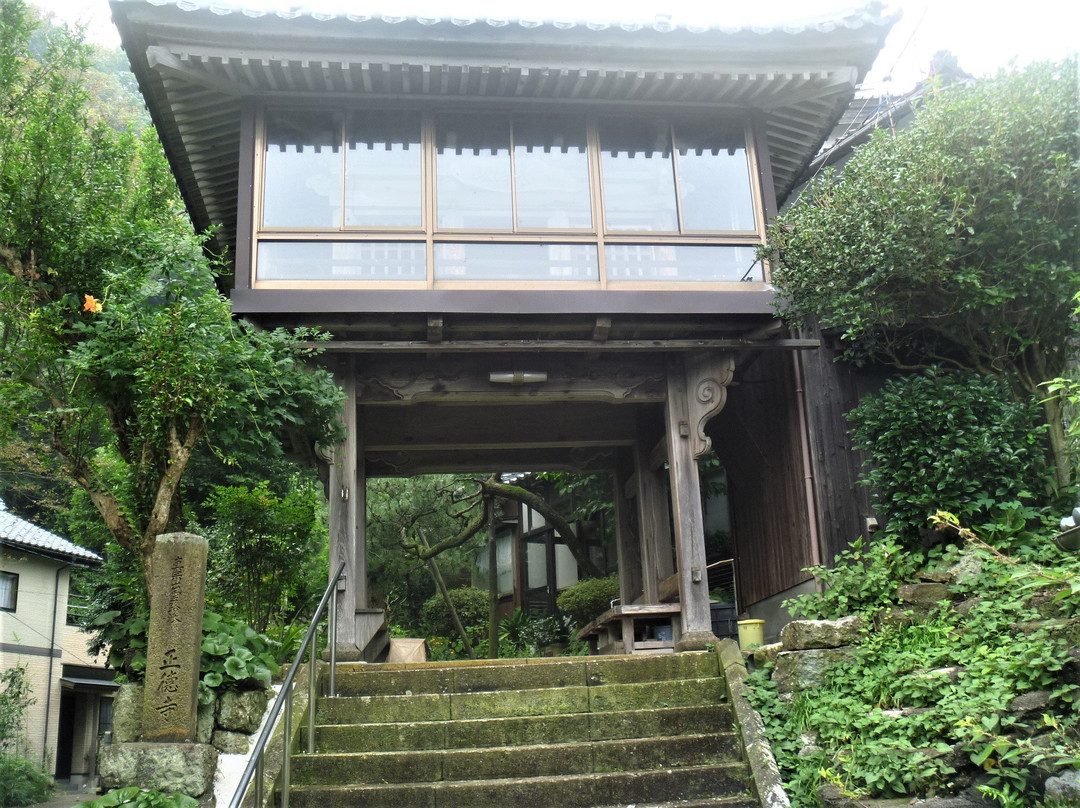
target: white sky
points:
(984, 34)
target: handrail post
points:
(332, 631)
(286, 759)
(312, 692)
(259, 781)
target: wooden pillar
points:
(626, 540)
(654, 525)
(343, 522)
(696, 392)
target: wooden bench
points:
(634, 629)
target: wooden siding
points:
(832, 389)
(757, 438)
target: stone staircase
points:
(543, 733)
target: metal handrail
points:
(283, 701)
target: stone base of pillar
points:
(346, 652)
(696, 641)
(188, 768)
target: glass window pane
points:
(341, 261)
(516, 262)
(683, 262)
(639, 186)
(714, 177)
(551, 173)
(473, 172)
(382, 169)
(302, 181)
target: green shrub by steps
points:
(471, 604)
(22, 782)
(587, 600)
(958, 442)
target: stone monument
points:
(177, 597)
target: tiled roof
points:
(851, 18)
(16, 532)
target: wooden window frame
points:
(598, 235)
(14, 592)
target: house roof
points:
(23, 535)
(195, 62)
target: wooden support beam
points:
(342, 516)
(626, 537)
(686, 510)
(434, 330)
(560, 345)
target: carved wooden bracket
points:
(707, 377)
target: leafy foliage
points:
(922, 705)
(264, 550)
(22, 782)
(136, 797)
(862, 580)
(234, 655)
(472, 608)
(587, 600)
(15, 699)
(117, 352)
(954, 241)
(952, 441)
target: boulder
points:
(187, 768)
(967, 569)
(801, 635)
(1064, 788)
(766, 654)
(242, 711)
(127, 713)
(802, 670)
(1035, 701)
(231, 743)
(923, 596)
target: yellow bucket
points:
(751, 634)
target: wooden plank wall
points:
(832, 390)
(756, 437)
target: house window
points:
(410, 199)
(9, 591)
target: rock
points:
(204, 725)
(934, 576)
(184, 767)
(959, 801)
(1070, 671)
(241, 711)
(231, 743)
(127, 713)
(899, 617)
(964, 607)
(802, 670)
(1035, 701)
(967, 569)
(1064, 789)
(924, 596)
(952, 674)
(801, 635)
(832, 797)
(809, 744)
(766, 654)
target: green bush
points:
(22, 782)
(136, 797)
(587, 600)
(471, 604)
(956, 442)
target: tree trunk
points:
(433, 568)
(493, 586)
(1064, 476)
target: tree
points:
(954, 242)
(115, 343)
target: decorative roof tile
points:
(16, 532)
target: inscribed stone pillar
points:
(174, 644)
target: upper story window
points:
(410, 199)
(9, 591)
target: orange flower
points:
(92, 304)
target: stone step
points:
(490, 675)
(512, 703)
(669, 786)
(541, 760)
(523, 730)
